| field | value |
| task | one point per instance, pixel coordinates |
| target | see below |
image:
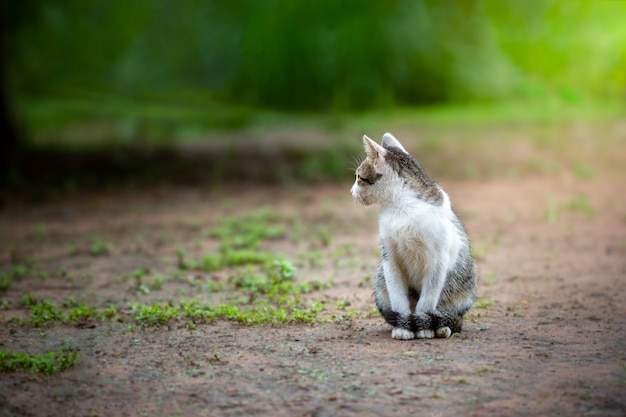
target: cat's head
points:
(387, 171)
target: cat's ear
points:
(375, 152)
(372, 149)
(390, 141)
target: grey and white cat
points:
(426, 279)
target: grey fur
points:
(414, 175)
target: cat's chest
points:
(409, 247)
(397, 225)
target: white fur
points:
(390, 140)
(402, 334)
(425, 334)
(426, 241)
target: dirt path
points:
(547, 336)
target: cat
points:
(426, 279)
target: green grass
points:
(6, 280)
(239, 239)
(584, 171)
(82, 313)
(581, 204)
(48, 363)
(100, 247)
(153, 315)
(44, 312)
(481, 303)
(552, 213)
(18, 271)
(261, 286)
(261, 312)
(578, 204)
(486, 369)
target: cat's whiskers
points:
(356, 160)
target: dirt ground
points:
(547, 336)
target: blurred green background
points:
(94, 74)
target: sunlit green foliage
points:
(313, 55)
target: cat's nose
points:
(352, 189)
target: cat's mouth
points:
(362, 200)
(358, 196)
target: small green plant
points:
(110, 313)
(18, 271)
(82, 313)
(552, 213)
(153, 315)
(343, 303)
(28, 300)
(44, 313)
(40, 229)
(180, 258)
(214, 286)
(157, 282)
(488, 277)
(581, 204)
(313, 285)
(365, 279)
(100, 247)
(248, 231)
(196, 313)
(6, 280)
(479, 250)
(140, 273)
(69, 302)
(484, 303)
(48, 363)
(215, 357)
(323, 235)
(72, 249)
(584, 171)
(486, 369)
(314, 257)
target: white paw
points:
(443, 332)
(402, 334)
(425, 334)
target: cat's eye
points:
(365, 180)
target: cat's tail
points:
(432, 320)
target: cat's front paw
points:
(402, 334)
(443, 332)
(425, 334)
